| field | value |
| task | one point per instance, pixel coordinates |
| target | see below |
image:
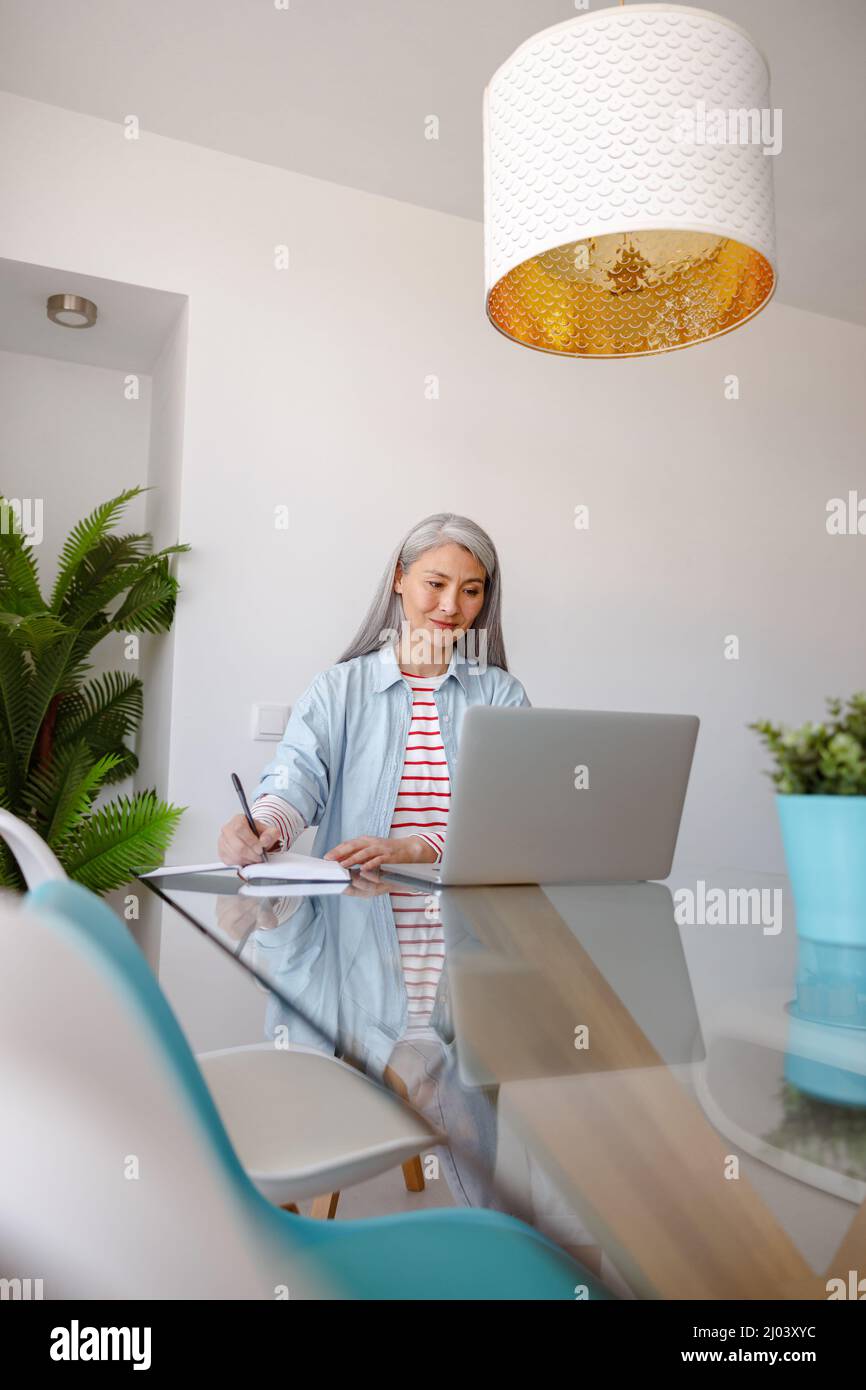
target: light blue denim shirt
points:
(341, 757)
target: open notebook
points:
(295, 868)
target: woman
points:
(367, 757)
(370, 748)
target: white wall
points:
(306, 387)
(162, 506)
(70, 437)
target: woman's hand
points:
(370, 851)
(237, 916)
(367, 884)
(238, 845)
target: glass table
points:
(660, 1070)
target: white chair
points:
(36, 861)
(304, 1124)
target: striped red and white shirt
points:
(424, 794)
(421, 808)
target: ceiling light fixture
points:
(71, 311)
(628, 195)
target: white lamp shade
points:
(619, 219)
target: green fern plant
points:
(64, 737)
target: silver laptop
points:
(563, 796)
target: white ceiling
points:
(340, 88)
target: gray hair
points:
(386, 611)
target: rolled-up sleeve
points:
(436, 840)
(286, 819)
(300, 771)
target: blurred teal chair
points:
(117, 1176)
(353, 1130)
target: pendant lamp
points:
(628, 187)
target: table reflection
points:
(553, 1034)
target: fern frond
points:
(127, 764)
(104, 712)
(127, 834)
(81, 540)
(107, 555)
(33, 631)
(10, 874)
(8, 773)
(50, 676)
(19, 579)
(134, 578)
(14, 691)
(62, 794)
(108, 568)
(149, 605)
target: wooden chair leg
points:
(290, 1206)
(325, 1208)
(393, 1079)
(413, 1174)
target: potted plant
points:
(62, 736)
(820, 777)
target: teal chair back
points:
(120, 1032)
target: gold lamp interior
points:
(625, 295)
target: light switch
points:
(269, 721)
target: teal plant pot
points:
(835, 1085)
(826, 1054)
(825, 850)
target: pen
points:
(246, 810)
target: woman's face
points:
(443, 592)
